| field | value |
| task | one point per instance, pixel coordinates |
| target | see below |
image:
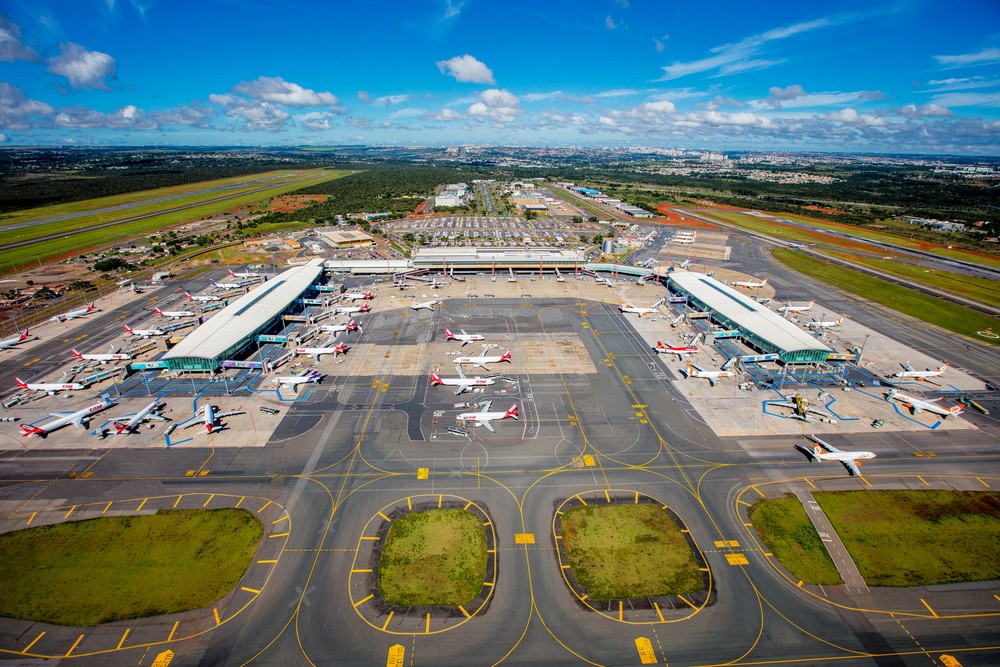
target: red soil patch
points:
(825, 209)
(671, 217)
(292, 203)
(421, 206)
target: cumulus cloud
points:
(17, 112)
(316, 121)
(776, 95)
(83, 68)
(256, 115)
(363, 123)
(984, 57)
(444, 115)
(923, 111)
(466, 69)
(501, 106)
(795, 97)
(196, 115)
(11, 48)
(127, 117)
(276, 90)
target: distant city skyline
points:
(909, 76)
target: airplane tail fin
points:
(940, 370)
(188, 296)
(21, 383)
(75, 353)
(128, 329)
(690, 370)
(230, 271)
(660, 345)
(25, 334)
(505, 356)
(435, 379)
(448, 335)
(31, 430)
(156, 309)
(763, 282)
(512, 412)
(809, 454)
(91, 306)
(120, 428)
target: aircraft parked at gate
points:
(77, 419)
(639, 310)
(136, 419)
(243, 274)
(173, 314)
(801, 409)
(680, 350)
(337, 328)
(145, 333)
(826, 452)
(111, 355)
(73, 314)
(294, 381)
(466, 338)
(789, 308)
(482, 359)
(917, 405)
(351, 296)
(401, 285)
(483, 416)
(242, 283)
(698, 372)
(8, 343)
(819, 324)
(750, 284)
(350, 309)
(462, 382)
(908, 372)
(211, 419)
(429, 305)
(51, 388)
(200, 297)
(317, 352)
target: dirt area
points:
(672, 217)
(292, 203)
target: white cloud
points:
(444, 115)
(963, 83)
(452, 8)
(501, 106)
(278, 91)
(656, 107)
(190, 116)
(795, 97)
(363, 123)
(406, 112)
(127, 117)
(923, 111)
(388, 100)
(11, 48)
(316, 121)
(985, 57)
(991, 100)
(17, 112)
(609, 22)
(618, 92)
(83, 68)
(364, 97)
(466, 69)
(256, 115)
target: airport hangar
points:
(233, 329)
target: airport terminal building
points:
(233, 329)
(759, 326)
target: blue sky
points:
(904, 76)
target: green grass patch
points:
(115, 568)
(924, 307)
(918, 538)
(435, 557)
(786, 530)
(626, 551)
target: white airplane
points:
(8, 343)
(135, 288)
(483, 416)
(137, 418)
(103, 358)
(338, 328)
(819, 324)
(697, 372)
(429, 305)
(401, 285)
(317, 352)
(350, 309)
(789, 308)
(50, 388)
(294, 381)
(210, 418)
(917, 405)
(77, 419)
(800, 408)
(462, 382)
(750, 284)
(173, 314)
(640, 310)
(351, 296)
(482, 359)
(909, 372)
(243, 274)
(680, 350)
(826, 452)
(200, 297)
(145, 333)
(73, 314)
(466, 338)
(242, 283)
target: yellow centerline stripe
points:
(33, 642)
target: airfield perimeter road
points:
(344, 455)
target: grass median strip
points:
(83, 573)
(786, 530)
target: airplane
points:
(8, 343)
(173, 314)
(680, 350)
(242, 283)
(639, 310)
(800, 408)
(77, 419)
(243, 274)
(200, 297)
(750, 284)
(294, 381)
(145, 333)
(683, 265)
(789, 308)
(826, 452)
(697, 372)
(135, 288)
(73, 314)
(137, 418)
(483, 416)
(466, 338)
(917, 405)
(482, 359)
(210, 418)
(317, 352)
(908, 372)
(435, 284)
(50, 388)
(819, 324)
(351, 296)
(103, 358)
(429, 305)
(401, 285)
(462, 382)
(350, 309)
(337, 328)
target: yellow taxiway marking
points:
(383, 516)
(360, 571)
(462, 609)
(389, 618)
(721, 544)
(636, 497)
(278, 535)
(279, 519)
(30, 519)
(240, 501)
(270, 560)
(580, 499)
(190, 473)
(33, 642)
(808, 481)
(606, 496)
(565, 567)
(800, 583)
(687, 602)
(66, 516)
(178, 501)
(923, 480)
(370, 537)
(250, 590)
(396, 656)
(215, 612)
(422, 473)
(141, 505)
(427, 627)
(266, 505)
(658, 612)
(440, 500)
(75, 644)
(588, 461)
(982, 482)
(737, 559)
(468, 505)
(647, 655)
(210, 499)
(163, 659)
(754, 487)
(524, 538)
(409, 503)
(949, 661)
(124, 637)
(929, 607)
(489, 583)
(362, 601)
(173, 630)
(621, 610)
(866, 482)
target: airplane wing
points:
(482, 364)
(461, 389)
(783, 404)
(220, 415)
(825, 445)
(907, 367)
(486, 423)
(852, 468)
(808, 453)
(80, 421)
(711, 380)
(485, 406)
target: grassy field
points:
(436, 557)
(788, 533)
(624, 551)
(87, 572)
(918, 538)
(921, 306)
